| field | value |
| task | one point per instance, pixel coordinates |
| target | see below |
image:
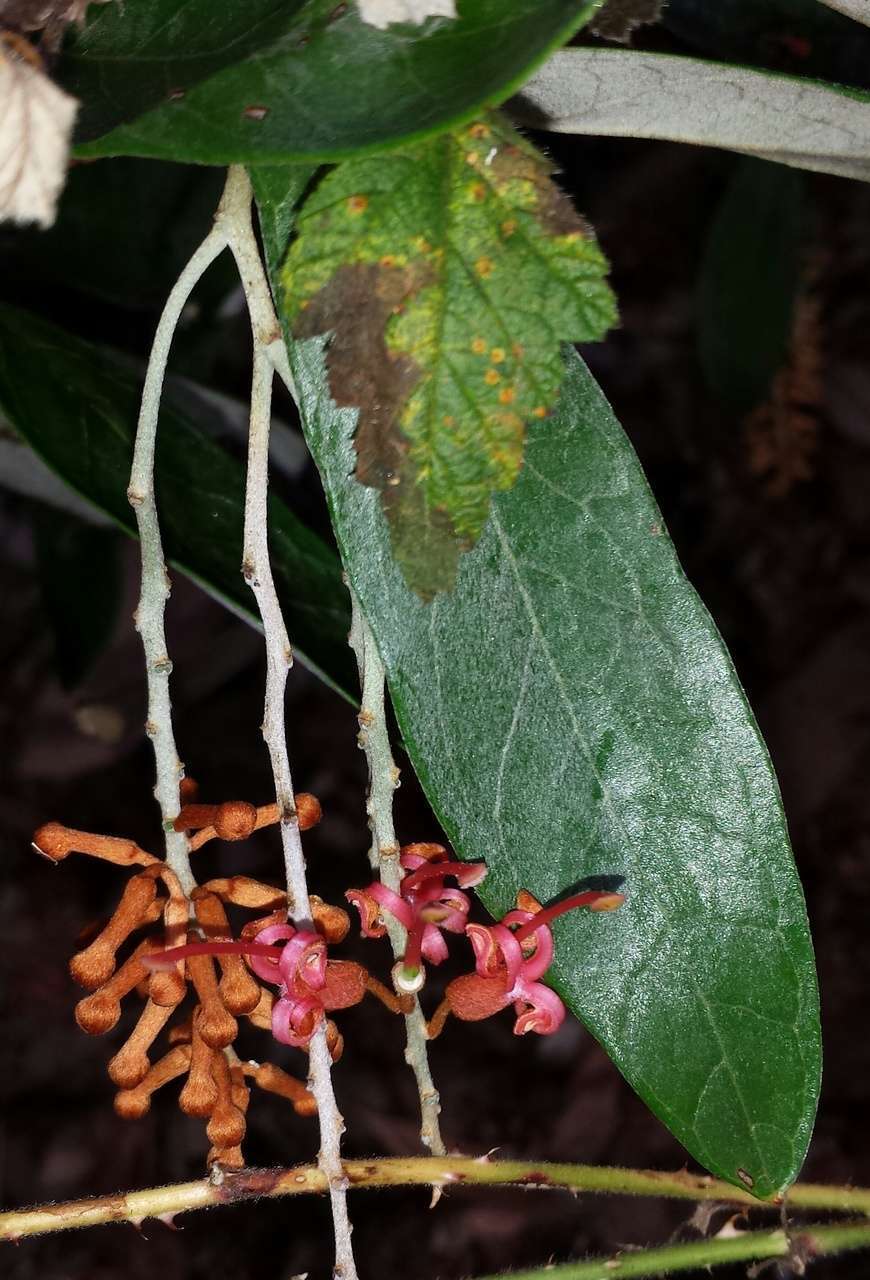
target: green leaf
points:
(125, 228)
(270, 81)
(748, 282)
(79, 571)
(77, 405)
(447, 274)
(573, 714)
(636, 94)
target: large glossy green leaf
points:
(572, 714)
(77, 404)
(264, 81)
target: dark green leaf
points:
(267, 81)
(572, 714)
(125, 228)
(79, 570)
(77, 404)
(447, 273)
(749, 280)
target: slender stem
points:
(430, 1171)
(748, 1246)
(235, 218)
(374, 739)
(155, 580)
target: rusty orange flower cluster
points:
(154, 915)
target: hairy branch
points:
(155, 580)
(235, 218)
(374, 740)
(251, 1184)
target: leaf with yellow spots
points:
(448, 274)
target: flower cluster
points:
(424, 906)
(182, 940)
(156, 916)
(511, 956)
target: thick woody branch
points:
(443, 1172)
(235, 219)
(374, 739)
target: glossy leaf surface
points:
(573, 715)
(77, 405)
(272, 80)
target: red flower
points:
(425, 906)
(511, 958)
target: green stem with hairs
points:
(437, 1172)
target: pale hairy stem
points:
(374, 739)
(439, 1172)
(155, 580)
(235, 219)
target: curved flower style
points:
(425, 905)
(294, 960)
(511, 957)
(299, 970)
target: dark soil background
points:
(784, 566)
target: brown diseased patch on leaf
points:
(365, 375)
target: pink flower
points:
(299, 971)
(425, 906)
(511, 958)
(298, 968)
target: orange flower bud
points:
(91, 967)
(262, 1016)
(308, 810)
(242, 891)
(168, 987)
(274, 1080)
(426, 849)
(199, 1094)
(100, 1012)
(217, 1026)
(235, 820)
(238, 988)
(55, 841)
(332, 922)
(334, 1040)
(226, 1128)
(134, 1103)
(130, 1064)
